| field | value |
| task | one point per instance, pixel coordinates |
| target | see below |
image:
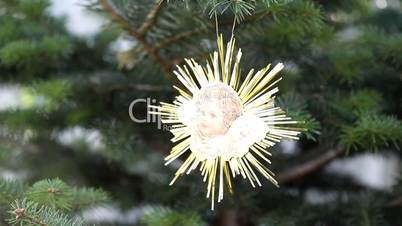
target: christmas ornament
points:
(224, 124)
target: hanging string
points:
(233, 26)
(216, 25)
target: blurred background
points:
(71, 155)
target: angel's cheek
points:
(206, 125)
(210, 130)
(218, 126)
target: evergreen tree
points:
(69, 142)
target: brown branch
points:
(113, 12)
(21, 214)
(151, 18)
(256, 16)
(309, 167)
(151, 51)
(187, 34)
(394, 203)
(180, 36)
(140, 87)
(35, 221)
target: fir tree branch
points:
(394, 203)
(186, 34)
(256, 16)
(10, 190)
(161, 216)
(151, 51)
(151, 18)
(180, 36)
(84, 197)
(20, 214)
(141, 87)
(310, 166)
(51, 192)
(25, 212)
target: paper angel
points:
(226, 125)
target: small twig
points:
(179, 37)
(151, 18)
(141, 87)
(229, 217)
(152, 50)
(394, 203)
(309, 167)
(35, 221)
(187, 34)
(21, 214)
(256, 16)
(113, 12)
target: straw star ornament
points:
(224, 124)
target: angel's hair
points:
(225, 96)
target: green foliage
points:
(36, 101)
(26, 54)
(358, 209)
(280, 218)
(53, 193)
(8, 32)
(56, 194)
(392, 50)
(120, 149)
(350, 64)
(295, 21)
(239, 8)
(270, 3)
(26, 212)
(20, 53)
(86, 197)
(33, 8)
(296, 108)
(371, 132)
(292, 212)
(10, 190)
(167, 217)
(18, 119)
(366, 210)
(56, 46)
(359, 7)
(46, 201)
(359, 102)
(304, 14)
(46, 95)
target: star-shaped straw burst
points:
(230, 135)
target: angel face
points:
(211, 119)
(217, 106)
